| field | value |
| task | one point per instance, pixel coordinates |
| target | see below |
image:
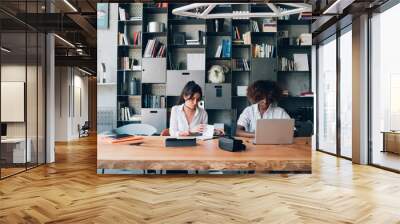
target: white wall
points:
(68, 82)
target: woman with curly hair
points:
(265, 96)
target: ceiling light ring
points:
(206, 14)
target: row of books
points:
(268, 25)
(154, 49)
(136, 38)
(263, 50)
(124, 16)
(161, 5)
(286, 64)
(127, 63)
(124, 114)
(151, 101)
(224, 49)
(240, 65)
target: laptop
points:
(274, 132)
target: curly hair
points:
(262, 89)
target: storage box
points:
(177, 79)
(218, 96)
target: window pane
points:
(346, 94)
(327, 96)
(385, 84)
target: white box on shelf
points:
(196, 61)
(241, 90)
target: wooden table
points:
(391, 141)
(153, 155)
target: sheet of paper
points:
(208, 132)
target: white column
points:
(50, 99)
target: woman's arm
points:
(241, 132)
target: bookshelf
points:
(148, 80)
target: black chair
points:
(84, 130)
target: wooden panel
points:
(205, 156)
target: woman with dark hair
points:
(188, 118)
(265, 96)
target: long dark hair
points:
(263, 89)
(189, 90)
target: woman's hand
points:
(199, 128)
(184, 133)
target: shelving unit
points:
(163, 77)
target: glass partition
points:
(14, 149)
(22, 77)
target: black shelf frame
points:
(235, 77)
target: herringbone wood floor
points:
(70, 191)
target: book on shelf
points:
(240, 64)
(127, 63)
(199, 41)
(236, 33)
(153, 101)
(161, 5)
(286, 64)
(154, 49)
(254, 26)
(269, 25)
(192, 42)
(237, 42)
(122, 14)
(124, 113)
(305, 16)
(247, 38)
(226, 48)
(218, 52)
(137, 38)
(263, 50)
(135, 18)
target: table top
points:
(391, 132)
(206, 155)
(13, 140)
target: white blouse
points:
(250, 115)
(178, 122)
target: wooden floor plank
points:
(70, 191)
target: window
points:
(385, 85)
(327, 96)
(346, 92)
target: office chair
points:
(136, 129)
(84, 129)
